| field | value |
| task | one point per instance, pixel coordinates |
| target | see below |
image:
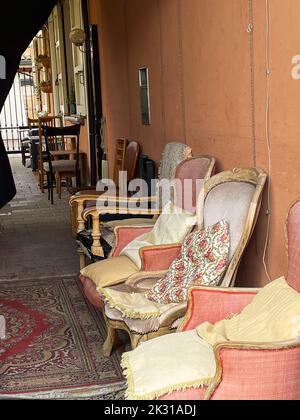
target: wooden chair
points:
(61, 168)
(126, 156)
(123, 157)
(102, 239)
(233, 196)
(42, 154)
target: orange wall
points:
(109, 16)
(198, 56)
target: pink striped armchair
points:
(247, 371)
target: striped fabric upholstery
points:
(259, 375)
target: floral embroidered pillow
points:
(203, 262)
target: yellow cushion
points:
(171, 227)
(273, 316)
(110, 272)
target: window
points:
(68, 63)
(145, 96)
(59, 74)
(79, 84)
(41, 73)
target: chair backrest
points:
(172, 156)
(131, 158)
(62, 132)
(293, 241)
(33, 122)
(189, 180)
(120, 153)
(234, 196)
(42, 123)
(126, 157)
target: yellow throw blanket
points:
(170, 363)
(271, 317)
(134, 305)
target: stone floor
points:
(35, 237)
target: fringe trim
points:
(130, 393)
(128, 313)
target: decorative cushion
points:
(272, 316)
(203, 261)
(110, 272)
(171, 228)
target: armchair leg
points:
(97, 247)
(110, 341)
(80, 224)
(137, 340)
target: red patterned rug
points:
(52, 343)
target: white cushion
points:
(172, 227)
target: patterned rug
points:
(52, 345)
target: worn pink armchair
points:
(248, 371)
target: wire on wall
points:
(250, 31)
(267, 135)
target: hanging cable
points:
(250, 31)
(267, 135)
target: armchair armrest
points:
(173, 314)
(96, 212)
(122, 206)
(159, 258)
(83, 196)
(94, 195)
(209, 304)
(262, 371)
(144, 281)
(125, 235)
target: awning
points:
(21, 22)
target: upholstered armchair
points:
(97, 244)
(154, 259)
(248, 371)
(234, 196)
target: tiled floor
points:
(35, 237)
